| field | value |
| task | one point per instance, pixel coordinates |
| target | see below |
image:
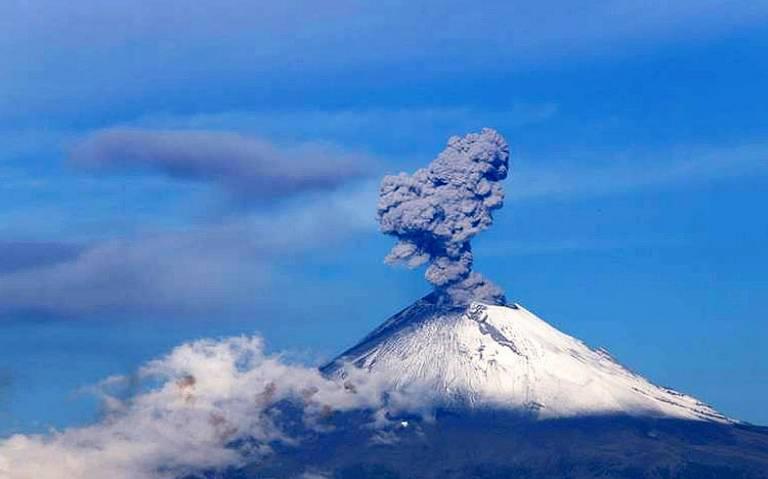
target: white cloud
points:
(192, 405)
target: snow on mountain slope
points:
(500, 356)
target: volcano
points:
(475, 387)
(493, 356)
(514, 398)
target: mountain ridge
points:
(505, 356)
(446, 418)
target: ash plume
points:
(435, 212)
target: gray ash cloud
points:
(435, 212)
(250, 167)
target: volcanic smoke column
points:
(435, 212)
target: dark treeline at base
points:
(499, 445)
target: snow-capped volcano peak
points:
(506, 357)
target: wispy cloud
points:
(231, 264)
(248, 166)
(132, 51)
(21, 255)
(216, 267)
(206, 406)
(624, 172)
(395, 129)
(192, 407)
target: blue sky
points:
(634, 218)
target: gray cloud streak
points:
(228, 266)
(396, 130)
(20, 255)
(250, 167)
